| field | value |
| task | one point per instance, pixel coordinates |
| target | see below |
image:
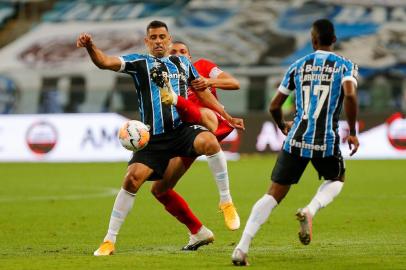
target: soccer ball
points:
(133, 135)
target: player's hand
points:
(353, 144)
(84, 40)
(200, 84)
(238, 123)
(286, 128)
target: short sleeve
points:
(215, 72)
(125, 59)
(288, 83)
(192, 72)
(350, 72)
(207, 68)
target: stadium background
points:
(42, 71)
(56, 106)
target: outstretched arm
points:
(100, 59)
(351, 110)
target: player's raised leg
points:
(136, 175)
(190, 112)
(329, 168)
(327, 191)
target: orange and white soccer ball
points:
(133, 135)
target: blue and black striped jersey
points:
(317, 81)
(160, 117)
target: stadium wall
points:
(93, 138)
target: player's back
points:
(317, 80)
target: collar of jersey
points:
(321, 51)
(157, 57)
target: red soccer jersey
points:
(207, 69)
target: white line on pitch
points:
(108, 192)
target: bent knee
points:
(132, 182)
(212, 145)
(206, 144)
(209, 119)
(157, 191)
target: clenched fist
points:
(84, 40)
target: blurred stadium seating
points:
(64, 11)
(7, 11)
(255, 40)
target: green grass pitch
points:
(53, 216)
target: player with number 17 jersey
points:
(317, 80)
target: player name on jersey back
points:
(317, 82)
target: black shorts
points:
(289, 168)
(161, 148)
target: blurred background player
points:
(169, 136)
(322, 81)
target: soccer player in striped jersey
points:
(323, 81)
(170, 137)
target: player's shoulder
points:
(342, 58)
(299, 62)
(207, 68)
(135, 56)
(180, 58)
(204, 62)
(183, 58)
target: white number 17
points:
(325, 89)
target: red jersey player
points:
(202, 107)
(211, 113)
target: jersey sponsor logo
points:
(305, 145)
(174, 75)
(325, 73)
(325, 69)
